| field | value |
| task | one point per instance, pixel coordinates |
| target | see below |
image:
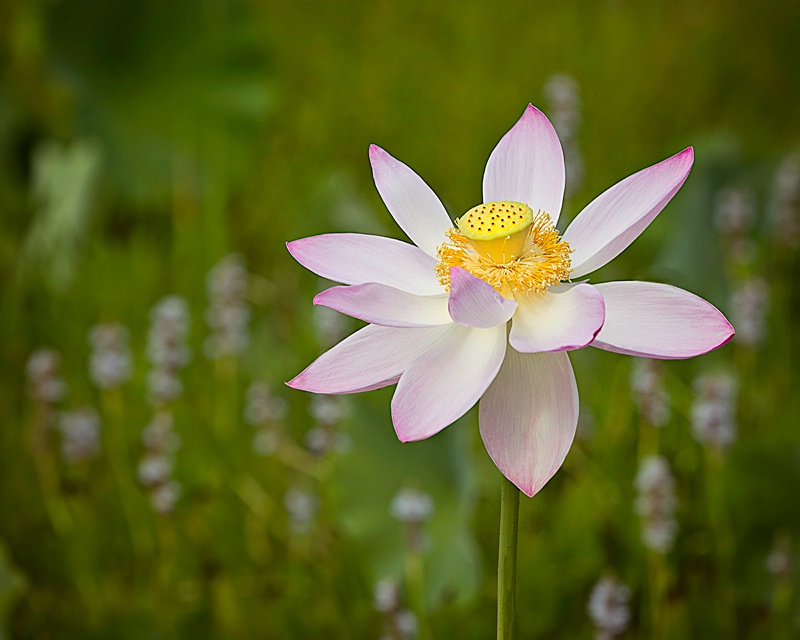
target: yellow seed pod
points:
(497, 230)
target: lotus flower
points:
(487, 309)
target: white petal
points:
(412, 203)
(566, 317)
(659, 321)
(445, 382)
(371, 358)
(354, 258)
(475, 303)
(617, 216)
(386, 306)
(527, 166)
(528, 417)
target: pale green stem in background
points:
(416, 582)
(45, 462)
(123, 475)
(648, 440)
(723, 540)
(782, 609)
(226, 371)
(659, 581)
(657, 575)
(507, 560)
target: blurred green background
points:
(152, 149)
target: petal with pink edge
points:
(386, 306)
(354, 258)
(566, 317)
(527, 166)
(475, 303)
(528, 417)
(442, 384)
(371, 358)
(659, 321)
(412, 203)
(617, 216)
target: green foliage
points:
(141, 141)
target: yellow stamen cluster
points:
(539, 259)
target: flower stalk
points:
(507, 560)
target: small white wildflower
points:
(165, 496)
(714, 409)
(327, 410)
(44, 376)
(386, 595)
(735, 211)
(649, 393)
(166, 338)
(261, 406)
(265, 442)
(80, 431)
(608, 608)
(735, 217)
(786, 201)
(302, 507)
(318, 440)
(321, 440)
(561, 91)
(154, 469)
(163, 387)
(412, 506)
(167, 349)
(110, 361)
(656, 503)
(227, 314)
(406, 623)
(159, 434)
(779, 561)
(749, 308)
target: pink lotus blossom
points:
(487, 310)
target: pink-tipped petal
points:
(386, 306)
(475, 303)
(527, 166)
(659, 321)
(528, 417)
(566, 317)
(441, 385)
(412, 203)
(617, 216)
(354, 258)
(371, 358)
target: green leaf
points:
(378, 466)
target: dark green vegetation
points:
(141, 141)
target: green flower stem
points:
(723, 540)
(119, 463)
(416, 589)
(226, 371)
(655, 604)
(507, 560)
(45, 463)
(659, 582)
